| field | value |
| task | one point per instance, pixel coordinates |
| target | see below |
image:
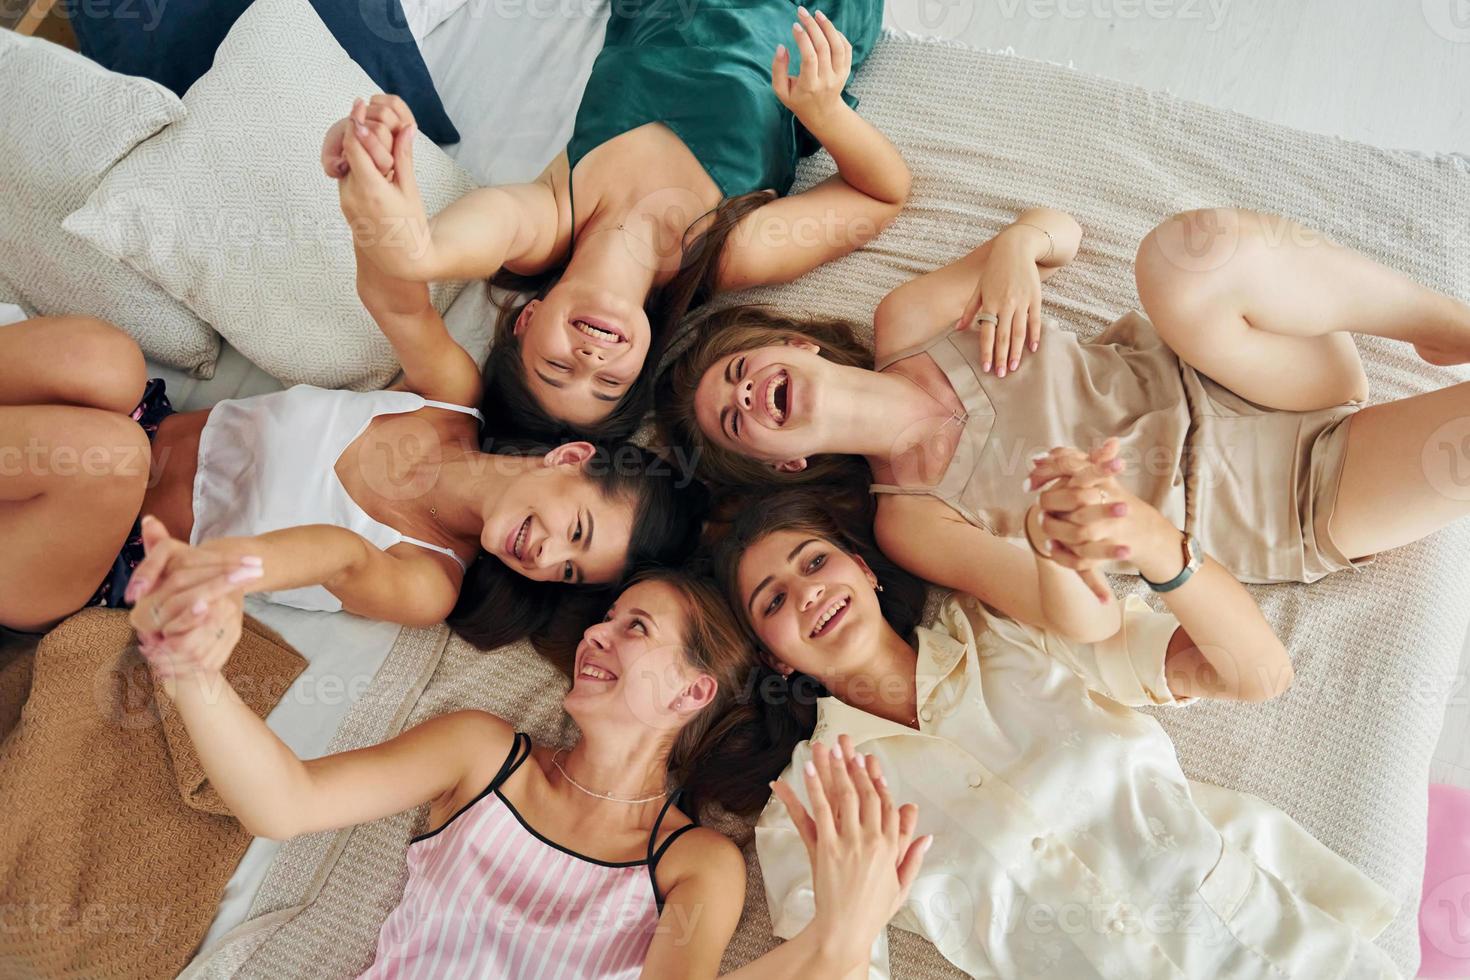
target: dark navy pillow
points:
(173, 42)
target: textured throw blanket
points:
(1345, 752)
(114, 849)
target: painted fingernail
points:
(244, 575)
(880, 780)
(1115, 465)
(1122, 552)
(1035, 346)
(361, 129)
(1119, 510)
(985, 368)
(780, 50)
(927, 843)
(810, 768)
(199, 608)
(859, 760)
(1026, 485)
(1015, 363)
(1001, 371)
(836, 753)
(821, 16)
(252, 561)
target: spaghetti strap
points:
(520, 750)
(655, 855)
(405, 539)
(923, 347)
(461, 409)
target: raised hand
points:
(826, 63)
(1005, 309)
(376, 121)
(386, 212)
(862, 849)
(188, 602)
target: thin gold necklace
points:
(555, 761)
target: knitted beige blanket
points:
(1346, 752)
(114, 849)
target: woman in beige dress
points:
(1236, 403)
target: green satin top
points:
(703, 68)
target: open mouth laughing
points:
(592, 672)
(831, 616)
(778, 398)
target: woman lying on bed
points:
(1067, 841)
(560, 863)
(1237, 402)
(688, 133)
(380, 503)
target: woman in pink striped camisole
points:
(559, 863)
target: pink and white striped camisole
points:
(489, 897)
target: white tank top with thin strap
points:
(269, 462)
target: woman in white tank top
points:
(380, 503)
(564, 863)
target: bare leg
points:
(1407, 471)
(71, 485)
(1265, 307)
(70, 361)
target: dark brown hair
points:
(498, 606)
(742, 328)
(509, 405)
(782, 709)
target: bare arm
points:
(1224, 648)
(1002, 278)
(415, 588)
(931, 541)
(434, 364)
(517, 226)
(793, 235)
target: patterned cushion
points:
(229, 211)
(63, 122)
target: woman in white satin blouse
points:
(1067, 840)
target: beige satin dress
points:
(1256, 486)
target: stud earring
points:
(877, 586)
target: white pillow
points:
(64, 120)
(230, 212)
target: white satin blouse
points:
(1068, 843)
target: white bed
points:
(511, 84)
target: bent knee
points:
(104, 363)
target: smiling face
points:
(769, 403)
(581, 348)
(810, 603)
(632, 666)
(554, 524)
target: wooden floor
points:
(1393, 73)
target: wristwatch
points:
(1194, 557)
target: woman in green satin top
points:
(686, 142)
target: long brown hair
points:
(710, 758)
(508, 404)
(786, 706)
(742, 328)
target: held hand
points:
(376, 122)
(826, 62)
(185, 599)
(864, 858)
(1089, 518)
(386, 213)
(1006, 306)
